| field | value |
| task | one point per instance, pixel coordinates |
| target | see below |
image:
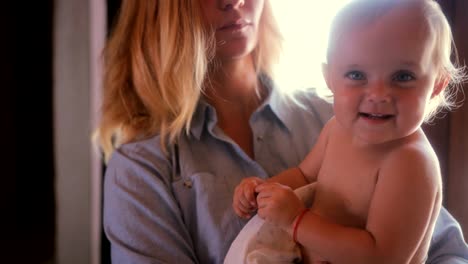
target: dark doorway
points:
(112, 12)
(28, 200)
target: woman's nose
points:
(231, 4)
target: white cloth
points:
(260, 242)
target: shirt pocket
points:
(203, 194)
(205, 200)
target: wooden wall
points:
(450, 134)
(457, 181)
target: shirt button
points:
(188, 184)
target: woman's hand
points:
(278, 204)
(244, 201)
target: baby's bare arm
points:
(312, 163)
(244, 203)
(406, 203)
(402, 213)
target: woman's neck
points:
(234, 81)
(233, 90)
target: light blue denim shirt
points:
(177, 208)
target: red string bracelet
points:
(296, 224)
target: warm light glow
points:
(304, 25)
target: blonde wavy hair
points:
(156, 63)
(445, 54)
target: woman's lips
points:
(234, 25)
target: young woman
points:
(190, 109)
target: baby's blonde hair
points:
(155, 65)
(444, 52)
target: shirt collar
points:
(199, 118)
(275, 102)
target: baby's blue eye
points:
(355, 75)
(403, 76)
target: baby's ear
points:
(326, 75)
(440, 84)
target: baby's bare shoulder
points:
(415, 160)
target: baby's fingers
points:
(241, 206)
(245, 204)
(250, 196)
(242, 211)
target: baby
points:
(378, 184)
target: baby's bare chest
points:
(345, 187)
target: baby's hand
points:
(278, 204)
(244, 201)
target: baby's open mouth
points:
(375, 116)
